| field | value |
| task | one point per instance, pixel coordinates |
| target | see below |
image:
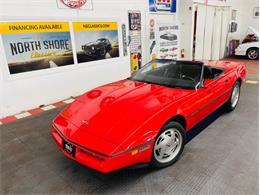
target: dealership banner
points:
(31, 46)
(96, 40)
(162, 6)
(167, 38)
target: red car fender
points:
(147, 133)
(242, 72)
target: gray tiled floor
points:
(222, 159)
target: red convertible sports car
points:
(144, 119)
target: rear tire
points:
(253, 53)
(234, 97)
(169, 145)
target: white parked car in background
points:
(250, 45)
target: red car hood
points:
(114, 111)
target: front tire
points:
(169, 145)
(253, 53)
(234, 98)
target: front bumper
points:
(101, 162)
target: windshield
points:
(180, 74)
(101, 40)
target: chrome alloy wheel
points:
(252, 54)
(167, 145)
(235, 96)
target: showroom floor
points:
(221, 158)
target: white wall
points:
(29, 90)
(244, 16)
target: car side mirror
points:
(206, 83)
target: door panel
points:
(221, 94)
(190, 109)
(213, 96)
(207, 96)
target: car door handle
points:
(226, 80)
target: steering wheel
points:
(188, 78)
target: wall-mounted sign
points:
(75, 4)
(152, 32)
(96, 40)
(152, 40)
(167, 41)
(135, 39)
(134, 18)
(234, 14)
(124, 40)
(33, 46)
(256, 12)
(152, 23)
(160, 6)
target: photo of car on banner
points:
(97, 49)
(169, 37)
(96, 40)
(32, 46)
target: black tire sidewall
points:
(229, 107)
(180, 128)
